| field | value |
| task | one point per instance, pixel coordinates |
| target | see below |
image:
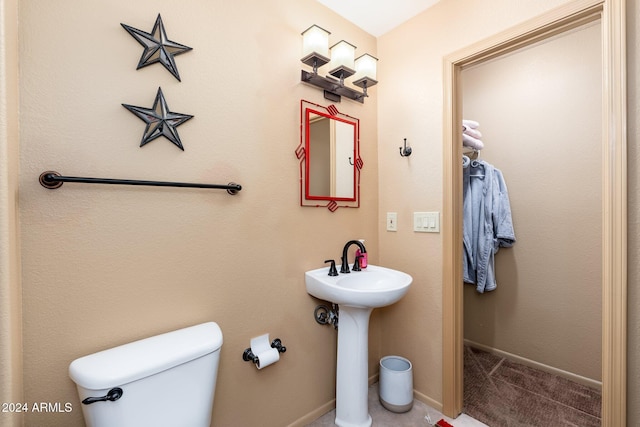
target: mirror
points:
(329, 156)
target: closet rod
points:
(52, 179)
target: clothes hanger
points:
(475, 162)
(468, 156)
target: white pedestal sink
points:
(356, 294)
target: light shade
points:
(366, 67)
(342, 59)
(315, 43)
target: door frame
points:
(612, 15)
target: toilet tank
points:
(166, 380)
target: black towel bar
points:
(52, 179)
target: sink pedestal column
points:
(352, 379)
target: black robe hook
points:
(406, 152)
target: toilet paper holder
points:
(248, 355)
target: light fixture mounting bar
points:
(333, 86)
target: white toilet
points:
(166, 380)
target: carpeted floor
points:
(499, 393)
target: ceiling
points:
(378, 16)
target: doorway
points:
(539, 114)
(613, 169)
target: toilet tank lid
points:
(139, 359)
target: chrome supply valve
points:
(327, 316)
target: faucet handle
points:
(332, 269)
(356, 263)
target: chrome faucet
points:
(344, 268)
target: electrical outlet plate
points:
(392, 221)
(426, 222)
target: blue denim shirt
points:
(487, 223)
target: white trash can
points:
(396, 383)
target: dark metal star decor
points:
(157, 47)
(160, 121)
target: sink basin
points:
(372, 287)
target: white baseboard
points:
(541, 366)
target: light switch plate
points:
(392, 221)
(426, 222)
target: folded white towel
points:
(471, 123)
(471, 132)
(469, 141)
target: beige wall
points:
(10, 296)
(104, 265)
(411, 107)
(539, 111)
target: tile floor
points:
(416, 417)
(502, 393)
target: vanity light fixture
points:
(316, 53)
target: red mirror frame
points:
(303, 153)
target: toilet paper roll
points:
(267, 358)
(261, 347)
